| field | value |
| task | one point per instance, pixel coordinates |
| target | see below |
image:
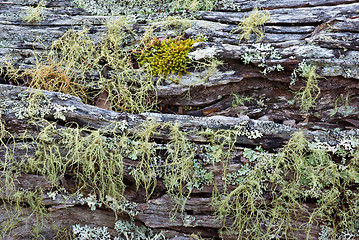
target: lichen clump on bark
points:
(254, 23)
(35, 14)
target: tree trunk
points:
(252, 102)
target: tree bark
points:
(321, 33)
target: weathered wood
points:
(75, 111)
(323, 33)
(155, 213)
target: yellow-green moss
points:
(168, 56)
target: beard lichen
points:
(14, 200)
(35, 14)
(253, 23)
(121, 65)
(309, 94)
(270, 201)
(176, 168)
(93, 159)
(264, 198)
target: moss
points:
(168, 57)
(127, 81)
(263, 199)
(74, 57)
(128, 89)
(126, 67)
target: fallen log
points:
(230, 153)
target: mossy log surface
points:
(324, 33)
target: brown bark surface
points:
(324, 33)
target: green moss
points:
(73, 58)
(126, 67)
(168, 57)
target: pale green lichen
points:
(90, 233)
(309, 163)
(35, 14)
(308, 94)
(35, 104)
(126, 230)
(201, 54)
(260, 53)
(189, 221)
(327, 233)
(245, 128)
(152, 10)
(253, 23)
(297, 173)
(3, 44)
(345, 110)
(309, 167)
